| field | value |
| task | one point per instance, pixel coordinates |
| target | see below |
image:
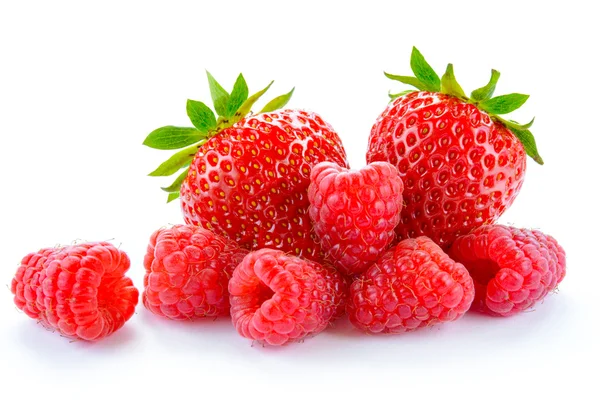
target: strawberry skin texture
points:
(249, 182)
(355, 212)
(460, 168)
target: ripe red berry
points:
(248, 174)
(461, 163)
(354, 213)
(512, 268)
(187, 271)
(414, 284)
(79, 290)
(277, 298)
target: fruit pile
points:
(283, 237)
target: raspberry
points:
(355, 212)
(277, 298)
(414, 284)
(79, 290)
(512, 268)
(187, 270)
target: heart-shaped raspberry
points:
(354, 213)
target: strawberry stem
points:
(425, 79)
(230, 108)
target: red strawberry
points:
(279, 298)
(79, 290)
(248, 174)
(414, 284)
(355, 212)
(461, 163)
(187, 271)
(512, 268)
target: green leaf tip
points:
(278, 102)
(201, 116)
(423, 71)
(503, 104)
(515, 125)
(449, 84)
(528, 141)
(407, 80)
(219, 95)
(486, 92)
(179, 160)
(394, 96)
(239, 94)
(172, 137)
(172, 196)
(176, 185)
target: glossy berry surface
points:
(187, 271)
(354, 213)
(277, 298)
(78, 290)
(460, 168)
(414, 284)
(512, 268)
(249, 182)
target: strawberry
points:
(245, 176)
(461, 163)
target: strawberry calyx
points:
(426, 79)
(229, 107)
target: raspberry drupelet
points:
(354, 213)
(278, 298)
(513, 268)
(187, 270)
(80, 290)
(414, 284)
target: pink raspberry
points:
(187, 271)
(277, 298)
(354, 213)
(79, 290)
(512, 268)
(412, 285)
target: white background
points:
(82, 84)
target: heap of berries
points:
(283, 237)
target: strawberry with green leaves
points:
(245, 176)
(462, 162)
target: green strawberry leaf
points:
(528, 141)
(450, 85)
(247, 106)
(176, 185)
(407, 80)
(515, 125)
(201, 116)
(423, 71)
(394, 96)
(486, 92)
(278, 102)
(219, 95)
(179, 160)
(504, 104)
(173, 137)
(239, 94)
(172, 196)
